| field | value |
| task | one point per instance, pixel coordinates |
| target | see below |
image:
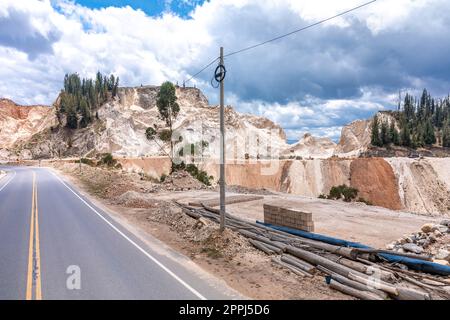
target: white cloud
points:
(315, 81)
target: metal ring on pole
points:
(215, 86)
(219, 73)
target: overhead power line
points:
(201, 70)
(301, 29)
(280, 37)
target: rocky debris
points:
(440, 228)
(443, 255)
(245, 190)
(181, 181)
(433, 239)
(427, 228)
(445, 222)
(411, 247)
(135, 199)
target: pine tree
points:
(405, 136)
(72, 118)
(375, 137)
(446, 135)
(384, 135)
(115, 87)
(393, 134)
(429, 136)
(85, 113)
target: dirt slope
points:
(423, 184)
(19, 123)
(376, 182)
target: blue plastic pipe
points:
(416, 264)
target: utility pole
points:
(222, 145)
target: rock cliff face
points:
(19, 123)
(417, 185)
(122, 122)
(312, 147)
(355, 139)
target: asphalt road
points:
(56, 244)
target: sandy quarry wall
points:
(415, 185)
(424, 184)
(304, 177)
(376, 182)
(154, 167)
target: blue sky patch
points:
(150, 7)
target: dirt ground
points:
(370, 225)
(228, 257)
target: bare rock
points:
(445, 222)
(437, 233)
(440, 228)
(443, 262)
(427, 228)
(423, 243)
(443, 255)
(411, 247)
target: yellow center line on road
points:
(34, 259)
(37, 246)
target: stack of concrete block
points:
(288, 217)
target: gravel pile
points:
(433, 239)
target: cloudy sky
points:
(314, 81)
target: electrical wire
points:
(279, 37)
(301, 29)
(201, 70)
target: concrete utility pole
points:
(222, 147)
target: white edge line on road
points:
(134, 243)
(4, 186)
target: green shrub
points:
(108, 160)
(89, 162)
(163, 178)
(322, 196)
(203, 177)
(178, 166)
(165, 135)
(349, 193)
(335, 193)
(194, 171)
(343, 191)
(150, 133)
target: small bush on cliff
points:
(165, 135)
(89, 162)
(194, 171)
(343, 191)
(108, 160)
(150, 133)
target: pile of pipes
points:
(358, 272)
